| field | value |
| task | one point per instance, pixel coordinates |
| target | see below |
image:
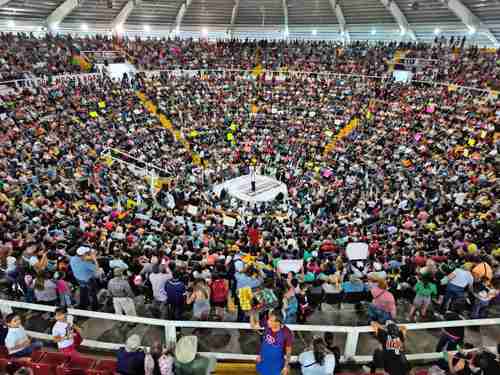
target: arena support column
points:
(180, 15)
(341, 20)
(285, 16)
(121, 18)
(60, 13)
(400, 19)
(234, 15)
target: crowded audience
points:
(85, 224)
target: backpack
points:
(219, 291)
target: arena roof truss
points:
(470, 20)
(420, 20)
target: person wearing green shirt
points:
(425, 290)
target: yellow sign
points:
(102, 104)
(93, 114)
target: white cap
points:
(82, 250)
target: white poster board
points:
(290, 265)
(404, 76)
(229, 221)
(357, 250)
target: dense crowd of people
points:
(449, 61)
(83, 222)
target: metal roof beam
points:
(400, 18)
(180, 15)
(285, 15)
(60, 13)
(4, 2)
(469, 19)
(234, 14)
(121, 18)
(341, 20)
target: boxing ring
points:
(266, 188)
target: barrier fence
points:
(350, 348)
(269, 74)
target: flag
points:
(85, 66)
(257, 71)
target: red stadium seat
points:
(76, 366)
(48, 363)
(103, 367)
(3, 352)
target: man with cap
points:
(123, 296)
(84, 266)
(188, 362)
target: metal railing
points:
(170, 326)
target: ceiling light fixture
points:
(147, 28)
(84, 27)
(315, 32)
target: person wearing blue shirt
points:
(354, 285)
(84, 266)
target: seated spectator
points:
(17, 342)
(131, 358)
(318, 361)
(187, 359)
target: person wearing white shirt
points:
(158, 280)
(62, 333)
(17, 342)
(318, 361)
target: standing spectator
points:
(458, 281)
(246, 280)
(64, 334)
(391, 356)
(383, 307)
(318, 361)
(200, 298)
(219, 290)
(425, 289)
(176, 297)
(131, 358)
(17, 342)
(276, 345)
(63, 289)
(45, 289)
(123, 296)
(84, 266)
(158, 279)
